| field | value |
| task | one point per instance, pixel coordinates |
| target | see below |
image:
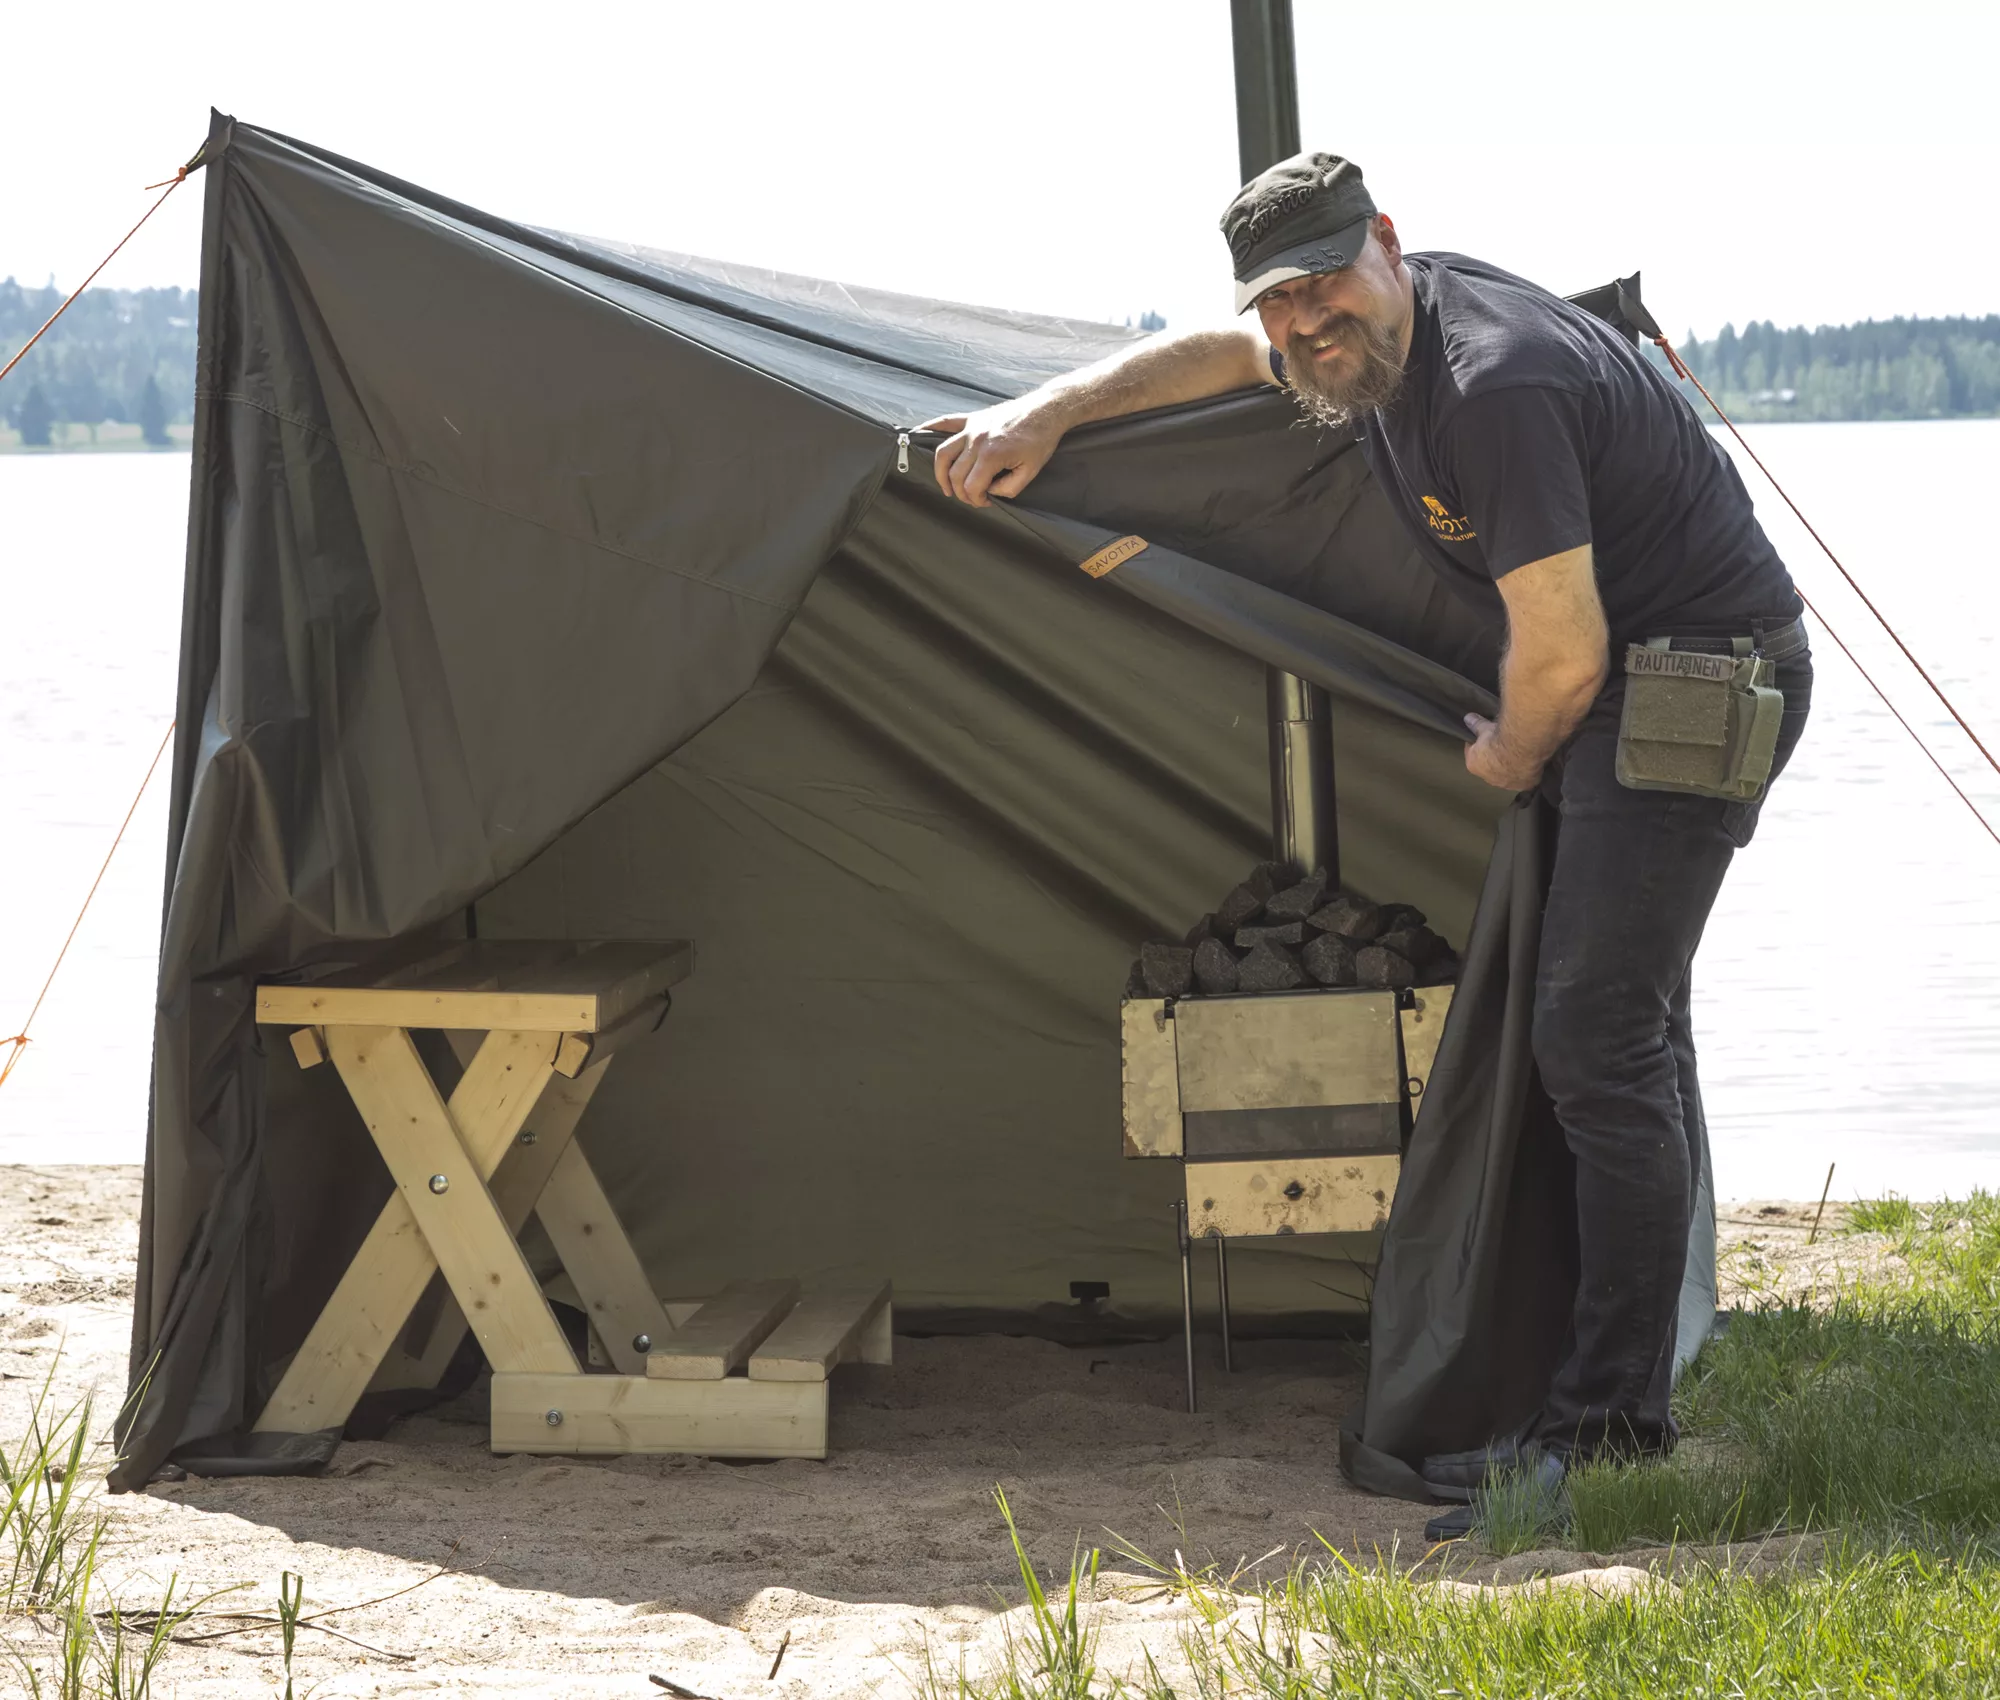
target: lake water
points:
(1847, 999)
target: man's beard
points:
(1370, 376)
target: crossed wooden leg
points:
(545, 1174)
(443, 1217)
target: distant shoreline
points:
(125, 439)
(109, 438)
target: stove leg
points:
(1187, 1294)
(1222, 1296)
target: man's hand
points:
(1556, 662)
(998, 450)
(1486, 758)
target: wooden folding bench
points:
(535, 1026)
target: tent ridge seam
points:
(437, 483)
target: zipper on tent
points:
(902, 451)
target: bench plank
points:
(613, 1414)
(720, 1337)
(521, 985)
(827, 1329)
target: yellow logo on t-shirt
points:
(1457, 530)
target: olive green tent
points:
(578, 590)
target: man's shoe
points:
(1532, 1493)
(1453, 1525)
(1459, 1475)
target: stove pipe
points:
(1298, 715)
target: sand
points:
(559, 1577)
(575, 1577)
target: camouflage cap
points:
(1306, 215)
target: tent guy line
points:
(168, 185)
(20, 1040)
(1681, 370)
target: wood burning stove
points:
(1287, 1111)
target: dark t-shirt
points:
(1528, 426)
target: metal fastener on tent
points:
(642, 1342)
(440, 1183)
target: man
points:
(1527, 444)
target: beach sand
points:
(570, 1577)
(579, 1577)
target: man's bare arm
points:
(998, 450)
(1558, 657)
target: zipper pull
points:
(902, 451)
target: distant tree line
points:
(1886, 369)
(127, 356)
(124, 356)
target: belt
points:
(1774, 643)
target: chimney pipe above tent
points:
(1267, 84)
(1299, 722)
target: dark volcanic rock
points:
(1329, 959)
(1396, 916)
(1202, 929)
(1240, 906)
(1383, 970)
(1353, 918)
(1135, 983)
(1287, 932)
(1418, 945)
(1269, 968)
(1168, 969)
(1296, 902)
(1247, 901)
(1215, 966)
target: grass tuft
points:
(71, 1645)
(1056, 1660)
(48, 1540)
(1891, 1215)
(1517, 1513)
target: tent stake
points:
(1187, 1293)
(1821, 1211)
(1222, 1300)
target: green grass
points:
(1055, 1660)
(1874, 1414)
(60, 1635)
(1909, 1624)
(1877, 1413)
(1870, 1623)
(1891, 1215)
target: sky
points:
(1808, 163)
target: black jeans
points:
(1636, 873)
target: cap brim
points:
(1316, 258)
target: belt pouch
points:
(1706, 725)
